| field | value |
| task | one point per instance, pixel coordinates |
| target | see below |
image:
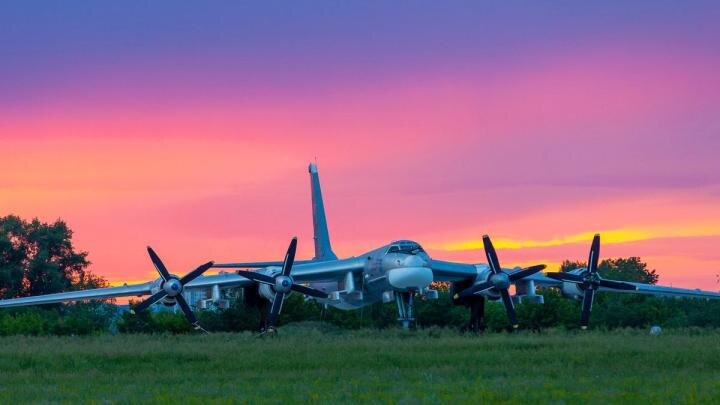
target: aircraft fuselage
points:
(400, 266)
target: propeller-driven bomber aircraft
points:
(398, 271)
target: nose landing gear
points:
(406, 308)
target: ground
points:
(306, 364)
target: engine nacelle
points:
(482, 276)
(156, 286)
(572, 291)
(267, 291)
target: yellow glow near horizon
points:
(551, 264)
(614, 236)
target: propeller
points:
(590, 281)
(172, 286)
(499, 281)
(282, 284)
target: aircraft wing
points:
(542, 280)
(309, 270)
(257, 265)
(328, 270)
(81, 295)
(223, 280)
(134, 290)
(660, 290)
(302, 271)
(640, 288)
(452, 271)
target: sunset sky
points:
(189, 126)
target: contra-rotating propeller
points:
(499, 281)
(590, 281)
(172, 286)
(282, 284)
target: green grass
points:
(305, 364)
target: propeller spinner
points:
(589, 281)
(282, 284)
(172, 286)
(499, 281)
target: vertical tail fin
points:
(323, 251)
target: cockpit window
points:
(406, 248)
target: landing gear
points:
(476, 304)
(406, 308)
(477, 313)
(270, 331)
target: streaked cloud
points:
(612, 236)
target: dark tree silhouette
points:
(39, 258)
(631, 269)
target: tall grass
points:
(305, 363)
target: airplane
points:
(398, 271)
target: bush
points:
(76, 319)
(27, 323)
(611, 311)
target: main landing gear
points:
(476, 305)
(477, 313)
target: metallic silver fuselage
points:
(374, 280)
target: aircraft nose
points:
(414, 261)
(415, 274)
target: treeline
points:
(610, 311)
(39, 258)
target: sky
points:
(189, 126)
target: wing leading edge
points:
(134, 290)
(660, 290)
(640, 288)
(97, 293)
(308, 271)
(451, 271)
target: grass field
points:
(305, 364)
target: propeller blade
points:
(617, 285)
(509, 307)
(289, 258)
(586, 308)
(594, 254)
(308, 291)
(149, 301)
(159, 266)
(526, 272)
(491, 255)
(474, 289)
(195, 273)
(275, 309)
(573, 278)
(186, 309)
(255, 276)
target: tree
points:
(39, 258)
(631, 269)
(568, 265)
